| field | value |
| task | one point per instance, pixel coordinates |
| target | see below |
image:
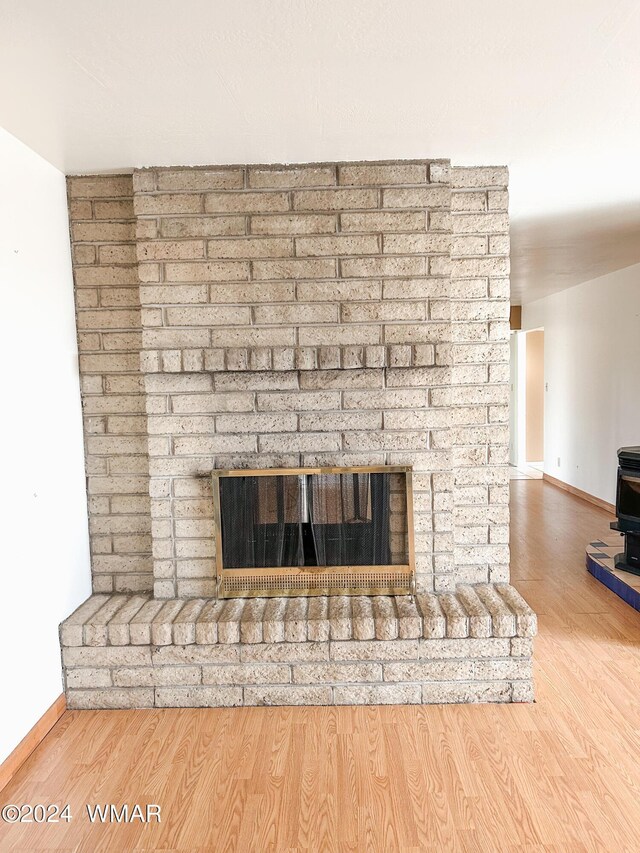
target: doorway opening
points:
(526, 455)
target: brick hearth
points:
(124, 651)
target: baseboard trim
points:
(30, 741)
(578, 493)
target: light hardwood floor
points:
(559, 775)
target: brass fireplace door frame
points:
(317, 580)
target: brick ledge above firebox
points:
(128, 651)
(279, 359)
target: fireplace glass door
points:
(313, 531)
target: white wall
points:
(45, 557)
(513, 399)
(592, 368)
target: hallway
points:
(559, 775)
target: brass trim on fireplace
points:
(315, 580)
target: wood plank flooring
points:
(560, 775)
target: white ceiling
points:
(550, 88)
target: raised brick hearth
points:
(250, 317)
(134, 651)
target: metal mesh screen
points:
(307, 583)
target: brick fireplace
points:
(314, 316)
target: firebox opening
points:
(315, 530)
